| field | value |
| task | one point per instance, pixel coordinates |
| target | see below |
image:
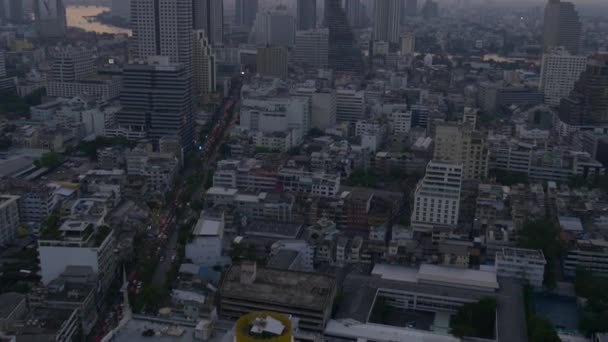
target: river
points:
(77, 17)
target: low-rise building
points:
(525, 264)
(591, 255)
(206, 246)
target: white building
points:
(322, 106)
(275, 141)
(401, 121)
(350, 105)
(312, 47)
(437, 197)
(524, 264)
(277, 115)
(559, 71)
(203, 64)
(206, 246)
(9, 218)
(78, 244)
(591, 255)
(276, 28)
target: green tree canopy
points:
(475, 319)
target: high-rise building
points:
(408, 43)
(157, 99)
(50, 18)
(209, 16)
(307, 14)
(162, 28)
(245, 12)
(410, 8)
(203, 64)
(2, 64)
(275, 28)
(343, 53)
(350, 105)
(121, 8)
(12, 11)
(9, 218)
(430, 9)
(312, 47)
(387, 20)
(272, 61)
(354, 13)
(437, 197)
(559, 71)
(561, 27)
(587, 105)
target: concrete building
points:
(322, 106)
(49, 18)
(306, 14)
(496, 96)
(208, 15)
(561, 27)
(559, 72)
(245, 12)
(387, 20)
(163, 28)
(437, 197)
(408, 43)
(354, 12)
(203, 64)
(9, 218)
(157, 99)
(205, 249)
(276, 115)
(410, 8)
(272, 61)
(36, 201)
(12, 11)
(156, 169)
(307, 296)
(350, 105)
(525, 264)
(121, 8)
(78, 244)
(591, 255)
(344, 55)
(312, 48)
(276, 28)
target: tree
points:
(475, 319)
(594, 317)
(541, 330)
(543, 234)
(51, 160)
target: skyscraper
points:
(209, 16)
(559, 71)
(156, 98)
(11, 10)
(387, 20)
(587, 105)
(245, 12)
(50, 18)
(343, 54)
(561, 26)
(203, 64)
(410, 8)
(121, 8)
(312, 47)
(430, 9)
(275, 28)
(408, 43)
(437, 197)
(354, 13)
(272, 61)
(307, 14)
(162, 28)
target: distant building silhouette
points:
(561, 27)
(343, 54)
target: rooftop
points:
(534, 254)
(299, 289)
(352, 329)
(272, 229)
(208, 227)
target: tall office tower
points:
(312, 47)
(410, 8)
(387, 20)
(50, 19)
(430, 9)
(561, 27)
(437, 197)
(307, 14)
(2, 64)
(162, 28)
(11, 10)
(408, 43)
(272, 61)
(354, 13)
(157, 99)
(121, 8)
(203, 64)
(245, 12)
(275, 28)
(587, 105)
(343, 53)
(559, 71)
(209, 16)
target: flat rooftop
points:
(273, 229)
(207, 227)
(164, 332)
(352, 329)
(288, 288)
(522, 253)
